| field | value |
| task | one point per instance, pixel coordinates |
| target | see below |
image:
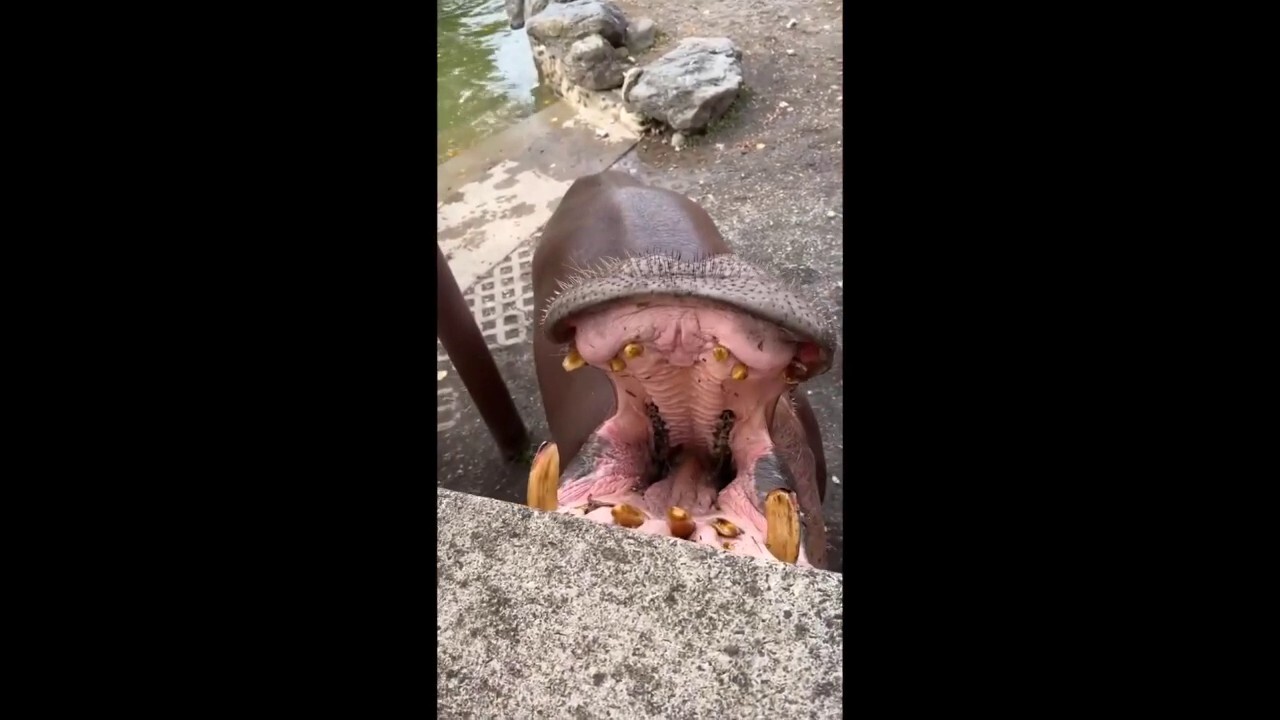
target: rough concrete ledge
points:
(545, 616)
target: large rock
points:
(519, 11)
(691, 86)
(592, 63)
(560, 25)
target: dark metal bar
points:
(462, 340)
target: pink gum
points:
(682, 331)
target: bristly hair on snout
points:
(724, 278)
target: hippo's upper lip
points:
(724, 279)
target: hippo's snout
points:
(723, 280)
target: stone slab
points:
(546, 616)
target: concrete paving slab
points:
(495, 195)
(546, 616)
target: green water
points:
(485, 78)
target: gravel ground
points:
(771, 175)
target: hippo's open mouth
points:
(704, 444)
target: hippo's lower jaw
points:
(705, 444)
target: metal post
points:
(462, 340)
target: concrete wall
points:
(544, 615)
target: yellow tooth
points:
(633, 350)
(720, 352)
(782, 534)
(628, 516)
(572, 361)
(794, 372)
(617, 365)
(724, 528)
(543, 478)
(739, 372)
(679, 522)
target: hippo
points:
(667, 367)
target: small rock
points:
(835, 479)
(691, 86)
(831, 213)
(592, 63)
(719, 146)
(640, 35)
(678, 141)
(783, 104)
(792, 23)
(791, 52)
(602, 133)
(759, 146)
(440, 375)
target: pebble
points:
(440, 375)
(835, 479)
(791, 52)
(792, 23)
(759, 146)
(602, 133)
(678, 141)
(783, 104)
(830, 213)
